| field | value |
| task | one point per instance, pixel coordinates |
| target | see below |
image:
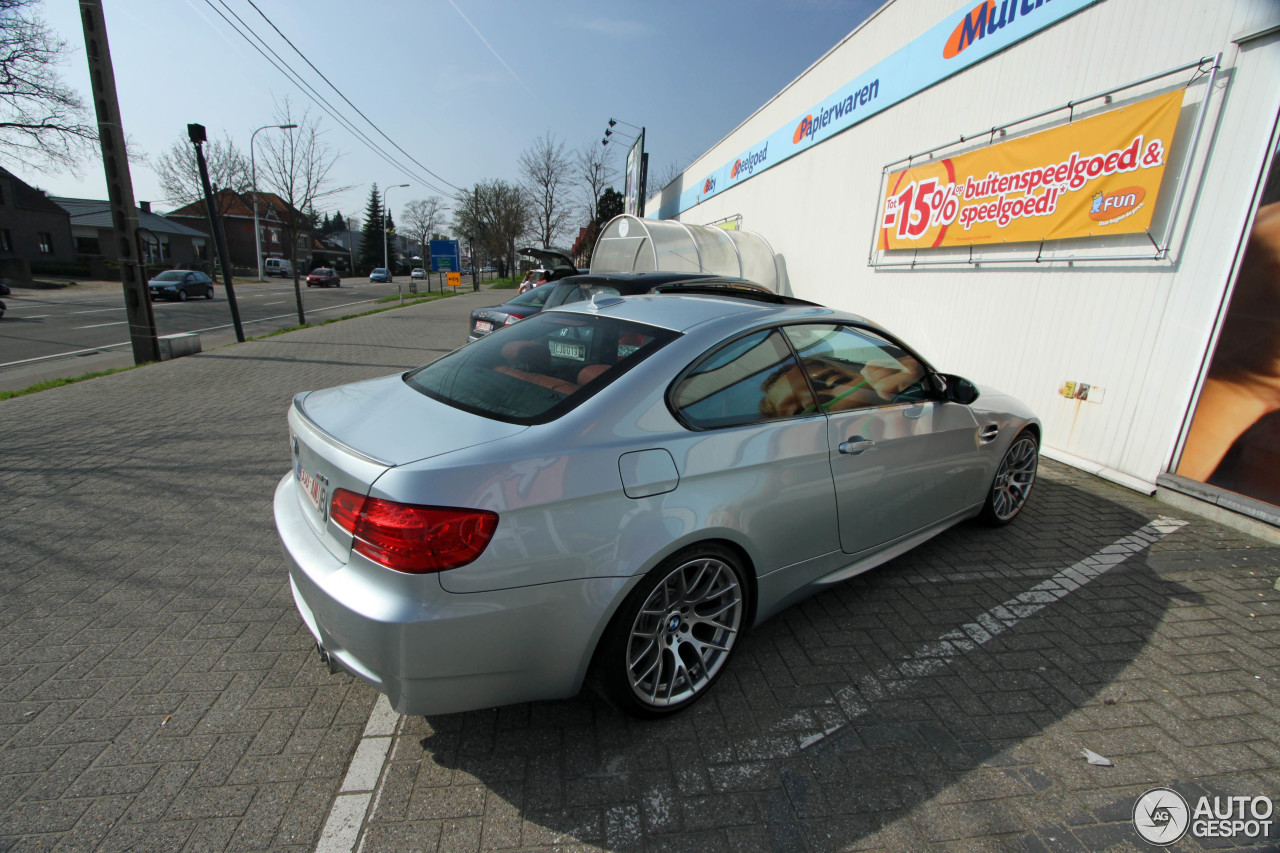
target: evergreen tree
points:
(326, 225)
(371, 253)
(339, 225)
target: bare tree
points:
(43, 122)
(669, 173)
(548, 180)
(180, 177)
(421, 218)
(594, 173)
(297, 166)
(493, 214)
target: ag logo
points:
(1161, 816)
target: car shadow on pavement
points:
(825, 733)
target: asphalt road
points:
(49, 334)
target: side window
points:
(752, 379)
(853, 368)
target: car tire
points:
(1012, 483)
(208, 294)
(682, 621)
(182, 295)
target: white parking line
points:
(357, 800)
(100, 325)
(97, 310)
(896, 678)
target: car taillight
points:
(512, 318)
(410, 538)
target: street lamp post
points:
(391, 275)
(253, 168)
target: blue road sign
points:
(445, 256)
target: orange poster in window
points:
(1096, 176)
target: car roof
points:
(683, 312)
(642, 282)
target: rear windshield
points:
(533, 298)
(566, 293)
(538, 369)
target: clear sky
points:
(463, 86)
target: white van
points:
(278, 266)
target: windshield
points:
(171, 275)
(538, 369)
(533, 298)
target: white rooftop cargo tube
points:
(631, 244)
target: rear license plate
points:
(311, 488)
(484, 326)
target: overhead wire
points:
(281, 65)
(345, 98)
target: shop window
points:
(46, 242)
(88, 246)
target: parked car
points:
(485, 320)
(180, 284)
(577, 288)
(380, 274)
(624, 486)
(324, 277)
(2, 310)
(282, 267)
(4, 289)
(418, 272)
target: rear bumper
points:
(435, 652)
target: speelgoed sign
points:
(1096, 176)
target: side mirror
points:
(961, 390)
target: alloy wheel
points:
(1014, 478)
(684, 632)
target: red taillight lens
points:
(512, 318)
(409, 538)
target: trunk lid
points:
(347, 437)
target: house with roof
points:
(32, 228)
(236, 210)
(163, 242)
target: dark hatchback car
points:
(579, 288)
(324, 277)
(180, 285)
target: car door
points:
(902, 458)
(754, 459)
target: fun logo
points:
(983, 20)
(710, 186)
(1117, 204)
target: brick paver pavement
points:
(158, 691)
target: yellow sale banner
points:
(1093, 177)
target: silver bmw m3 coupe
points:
(621, 489)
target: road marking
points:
(277, 302)
(346, 819)
(100, 325)
(97, 310)
(894, 679)
(355, 802)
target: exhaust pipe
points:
(328, 660)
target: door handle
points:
(988, 433)
(856, 445)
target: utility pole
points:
(197, 136)
(115, 160)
